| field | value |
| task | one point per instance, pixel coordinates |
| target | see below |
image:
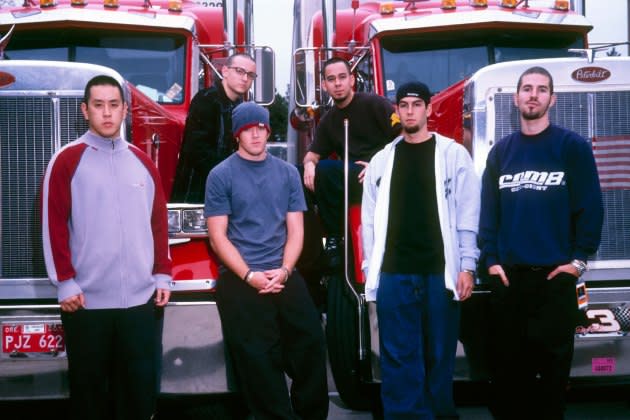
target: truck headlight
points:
(186, 221)
(174, 221)
(193, 221)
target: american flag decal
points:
(612, 156)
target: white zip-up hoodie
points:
(458, 200)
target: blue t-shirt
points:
(541, 202)
(256, 196)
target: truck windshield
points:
(442, 60)
(154, 63)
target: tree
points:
(278, 117)
(613, 52)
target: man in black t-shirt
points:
(372, 124)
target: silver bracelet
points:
(286, 272)
(580, 266)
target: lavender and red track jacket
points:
(104, 223)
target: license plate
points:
(32, 338)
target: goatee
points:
(411, 129)
(534, 115)
(338, 101)
(531, 115)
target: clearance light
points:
(79, 2)
(175, 5)
(387, 9)
(479, 3)
(448, 4)
(110, 4)
(561, 5)
(509, 3)
(47, 3)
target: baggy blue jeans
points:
(418, 324)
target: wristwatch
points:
(580, 266)
(471, 272)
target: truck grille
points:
(610, 118)
(27, 132)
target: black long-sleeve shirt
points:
(207, 141)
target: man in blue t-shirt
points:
(541, 217)
(253, 204)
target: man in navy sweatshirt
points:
(541, 217)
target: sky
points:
(273, 27)
(609, 25)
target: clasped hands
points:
(269, 281)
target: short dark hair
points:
(335, 60)
(535, 70)
(101, 80)
(231, 58)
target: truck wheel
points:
(343, 348)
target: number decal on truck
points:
(604, 320)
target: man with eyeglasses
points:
(208, 135)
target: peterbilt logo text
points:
(6, 79)
(590, 74)
(531, 180)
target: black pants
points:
(329, 193)
(268, 335)
(112, 365)
(532, 331)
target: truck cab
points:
(470, 54)
(162, 53)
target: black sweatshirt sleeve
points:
(489, 215)
(587, 209)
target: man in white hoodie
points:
(420, 213)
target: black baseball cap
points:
(415, 89)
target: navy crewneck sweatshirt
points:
(541, 202)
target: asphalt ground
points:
(585, 403)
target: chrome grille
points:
(610, 117)
(26, 145)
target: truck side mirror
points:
(264, 86)
(303, 59)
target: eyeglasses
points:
(242, 72)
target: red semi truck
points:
(471, 53)
(162, 52)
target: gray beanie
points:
(247, 115)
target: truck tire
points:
(343, 348)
